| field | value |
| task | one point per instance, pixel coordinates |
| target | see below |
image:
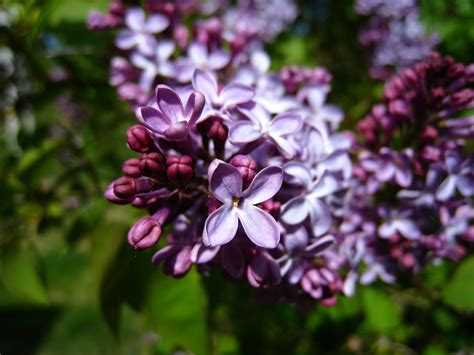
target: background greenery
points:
(69, 284)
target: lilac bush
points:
(250, 169)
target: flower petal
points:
(324, 186)
(285, 123)
(126, 39)
(446, 189)
(320, 245)
(164, 50)
(465, 185)
(294, 211)
(244, 132)
(235, 94)
(154, 119)
(297, 173)
(218, 60)
(202, 254)
(260, 227)
(387, 229)
(206, 83)
(135, 19)
(296, 240)
(226, 183)
(221, 226)
(407, 228)
(194, 107)
(157, 23)
(265, 185)
(169, 103)
(320, 216)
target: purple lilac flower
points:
(212, 144)
(140, 31)
(239, 206)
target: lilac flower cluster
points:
(412, 196)
(245, 164)
(394, 37)
(158, 47)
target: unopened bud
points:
(152, 164)
(130, 168)
(145, 233)
(179, 169)
(246, 167)
(139, 139)
(126, 186)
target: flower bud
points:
(246, 167)
(130, 168)
(126, 186)
(112, 197)
(145, 233)
(271, 206)
(179, 169)
(152, 164)
(139, 139)
(218, 132)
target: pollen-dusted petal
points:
(221, 226)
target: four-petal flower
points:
(239, 206)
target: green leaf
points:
(381, 312)
(177, 309)
(459, 292)
(76, 10)
(20, 276)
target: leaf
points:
(177, 309)
(76, 10)
(459, 291)
(381, 312)
(20, 276)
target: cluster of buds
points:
(245, 164)
(394, 37)
(414, 182)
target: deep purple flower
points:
(226, 186)
(460, 177)
(172, 119)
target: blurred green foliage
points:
(69, 284)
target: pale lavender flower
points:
(219, 101)
(158, 65)
(199, 57)
(239, 206)
(397, 222)
(261, 125)
(140, 31)
(310, 202)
